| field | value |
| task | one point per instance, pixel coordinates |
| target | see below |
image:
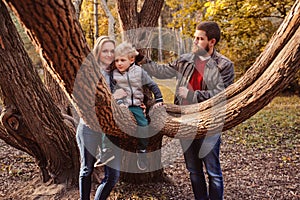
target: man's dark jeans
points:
(204, 151)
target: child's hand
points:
(143, 107)
(157, 105)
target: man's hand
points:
(140, 59)
(182, 92)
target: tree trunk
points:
(96, 27)
(111, 20)
(131, 173)
(160, 46)
(54, 28)
(32, 121)
(138, 27)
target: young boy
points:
(131, 78)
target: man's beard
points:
(200, 51)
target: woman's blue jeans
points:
(204, 151)
(88, 142)
(142, 129)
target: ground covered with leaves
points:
(260, 160)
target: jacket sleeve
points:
(222, 79)
(161, 71)
(148, 82)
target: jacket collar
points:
(190, 57)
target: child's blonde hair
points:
(126, 49)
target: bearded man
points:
(201, 74)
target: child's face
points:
(123, 62)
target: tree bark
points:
(138, 27)
(65, 50)
(32, 121)
(147, 17)
(60, 99)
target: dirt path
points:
(248, 174)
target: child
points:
(131, 78)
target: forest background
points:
(247, 26)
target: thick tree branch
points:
(236, 104)
(32, 120)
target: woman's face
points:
(107, 53)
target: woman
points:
(89, 140)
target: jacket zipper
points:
(130, 88)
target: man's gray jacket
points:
(218, 74)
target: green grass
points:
(275, 126)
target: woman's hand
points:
(119, 94)
(158, 104)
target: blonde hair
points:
(126, 49)
(98, 45)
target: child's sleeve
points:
(148, 82)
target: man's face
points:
(200, 44)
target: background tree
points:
(104, 19)
(111, 19)
(185, 15)
(77, 5)
(246, 24)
